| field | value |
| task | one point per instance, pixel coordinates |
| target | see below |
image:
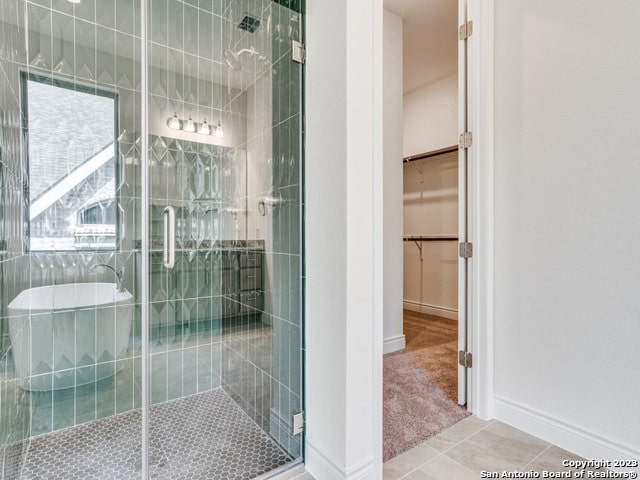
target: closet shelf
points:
(433, 153)
(418, 239)
(430, 238)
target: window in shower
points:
(71, 165)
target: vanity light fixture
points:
(204, 128)
(189, 126)
(74, 1)
(174, 122)
(219, 131)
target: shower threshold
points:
(203, 436)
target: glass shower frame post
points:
(144, 220)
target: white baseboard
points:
(444, 312)
(393, 344)
(362, 471)
(574, 439)
(321, 467)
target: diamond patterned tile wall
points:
(203, 436)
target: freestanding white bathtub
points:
(68, 335)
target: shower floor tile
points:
(203, 436)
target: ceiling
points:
(430, 39)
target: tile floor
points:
(471, 446)
(182, 432)
(467, 448)
(459, 453)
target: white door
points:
(463, 230)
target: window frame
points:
(77, 86)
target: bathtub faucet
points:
(118, 274)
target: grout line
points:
(406, 475)
(460, 464)
(440, 453)
(538, 456)
(421, 465)
(465, 438)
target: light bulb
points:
(204, 128)
(219, 131)
(174, 122)
(189, 126)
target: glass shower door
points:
(224, 165)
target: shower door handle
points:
(169, 229)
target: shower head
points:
(250, 23)
(233, 58)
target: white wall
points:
(567, 271)
(326, 289)
(343, 218)
(392, 195)
(431, 199)
(431, 117)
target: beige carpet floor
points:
(420, 384)
(433, 343)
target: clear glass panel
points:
(224, 322)
(225, 328)
(70, 308)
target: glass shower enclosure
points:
(151, 254)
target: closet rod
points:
(432, 238)
(433, 153)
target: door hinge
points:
(466, 139)
(465, 359)
(298, 52)
(466, 249)
(465, 30)
(297, 423)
